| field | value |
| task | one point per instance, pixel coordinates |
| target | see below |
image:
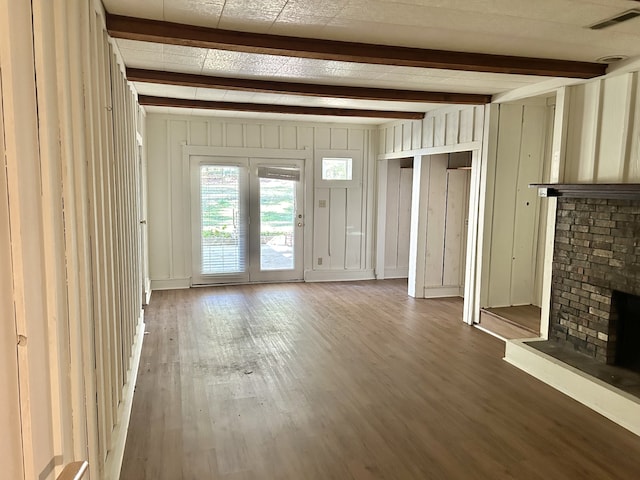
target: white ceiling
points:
(541, 28)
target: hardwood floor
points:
(503, 329)
(523, 316)
(348, 381)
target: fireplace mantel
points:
(626, 191)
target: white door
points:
(247, 220)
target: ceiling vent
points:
(623, 17)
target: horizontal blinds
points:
(279, 173)
(222, 220)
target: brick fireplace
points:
(596, 276)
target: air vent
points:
(623, 17)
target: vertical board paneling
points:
(356, 139)
(452, 126)
(177, 138)
(216, 138)
(322, 138)
(581, 132)
(437, 195)
(397, 137)
(337, 226)
(289, 137)
(11, 454)
(339, 138)
(159, 217)
(321, 229)
(466, 125)
(416, 132)
(526, 204)
(508, 152)
(407, 135)
(198, 133)
(393, 198)
(478, 123)
(389, 139)
(270, 136)
(439, 130)
(382, 140)
(305, 137)
(353, 231)
(404, 217)
(457, 189)
(254, 136)
(234, 135)
(428, 132)
(612, 127)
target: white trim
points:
(459, 147)
(618, 406)
(170, 284)
(440, 292)
(338, 275)
(113, 463)
(402, 272)
(381, 220)
(548, 87)
(191, 150)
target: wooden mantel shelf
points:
(626, 191)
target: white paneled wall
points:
(603, 137)
(73, 284)
(512, 255)
(442, 128)
(398, 218)
(338, 233)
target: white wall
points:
(346, 251)
(603, 134)
(447, 128)
(73, 290)
(10, 441)
(512, 253)
(398, 217)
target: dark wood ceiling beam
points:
(306, 89)
(194, 36)
(289, 109)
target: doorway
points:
(247, 219)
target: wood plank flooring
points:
(524, 316)
(348, 381)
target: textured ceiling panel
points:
(544, 28)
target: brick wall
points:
(597, 251)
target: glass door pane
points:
(222, 235)
(277, 224)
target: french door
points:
(247, 220)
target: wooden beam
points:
(203, 37)
(306, 89)
(290, 109)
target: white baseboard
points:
(613, 403)
(439, 292)
(338, 275)
(170, 284)
(147, 290)
(396, 273)
(113, 463)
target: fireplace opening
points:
(626, 310)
